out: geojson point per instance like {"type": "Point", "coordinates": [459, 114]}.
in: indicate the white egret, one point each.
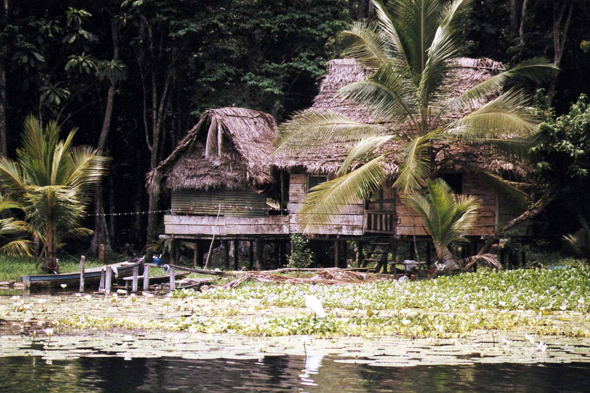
{"type": "Point", "coordinates": [314, 304]}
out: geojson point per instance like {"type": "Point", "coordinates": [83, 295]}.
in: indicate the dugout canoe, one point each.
{"type": "Point", "coordinates": [72, 280]}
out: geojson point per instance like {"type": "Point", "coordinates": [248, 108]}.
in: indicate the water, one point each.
{"type": "Point", "coordinates": [283, 373]}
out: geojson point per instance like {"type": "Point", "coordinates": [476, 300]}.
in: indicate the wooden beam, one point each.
{"type": "Point", "coordinates": [336, 253]}
{"type": "Point", "coordinates": [225, 246]}
{"type": "Point", "coordinates": [359, 253]}
{"type": "Point", "coordinates": [251, 254]}
{"type": "Point", "coordinates": [259, 254]}
{"type": "Point", "coordinates": [236, 255]}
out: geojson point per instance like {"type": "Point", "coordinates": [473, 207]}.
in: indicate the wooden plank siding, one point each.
{"type": "Point", "coordinates": [226, 226]}
{"type": "Point", "coordinates": [234, 203]}
{"type": "Point", "coordinates": [348, 223]}
{"type": "Point", "coordinates": [410, 223]}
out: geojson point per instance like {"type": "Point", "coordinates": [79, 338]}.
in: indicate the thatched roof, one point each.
{"type": "Point", "coordinates": [466, 74]}
{"type": "Point", "coordinates": [229, 148]}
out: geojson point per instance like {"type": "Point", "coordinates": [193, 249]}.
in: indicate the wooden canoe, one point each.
{"type": "Point", "coordinates": [72, 280]}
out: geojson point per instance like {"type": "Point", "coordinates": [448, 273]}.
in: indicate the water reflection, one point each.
{"type": "Point", "coordinates": [312, 366]}
{"type": "Point", "coordinates": [282, 373]}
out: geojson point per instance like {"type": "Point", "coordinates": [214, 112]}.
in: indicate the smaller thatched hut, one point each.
{"type": "Point", "coordinates": [221, 179]}
{"type": "Point", "coordinates": [223, 162]}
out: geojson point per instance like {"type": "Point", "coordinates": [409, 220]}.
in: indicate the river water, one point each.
{"type": "Point", "coordinates": [281, 373]}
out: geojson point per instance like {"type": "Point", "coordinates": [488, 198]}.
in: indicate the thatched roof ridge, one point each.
{"type": "Point", "coordinates": [465, 74]}
{"type": "Point", "coordinates": [229, 148]}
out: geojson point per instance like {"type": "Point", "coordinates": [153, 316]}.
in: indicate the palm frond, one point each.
{"type": "Point", "coordinates": [79, 233]}
{"type": "Point", "coordinates": [88, 167]}
{"type": "Point", "coordinates": [415, 168]}
{"type": "Point", "coordinates": [537, 69]}
{"type": "Point", "coordinates": [310, 129]}
{"type": "Point", "coordinates": [11, 176]}
{"type": "Point", "coordinates": [507, 114]}
{"type": "Point", "coordinates": [327, 199]}
{"type": "Point", "coordinates": [446, 215]}
{"type": "Point", "coordinates": [364, 43]}
{"type": "Point", "coordinates": [388, 93]}
{"type": "Point", "coordinates": [392, 41]}
{"type": "Point", "coordinates": [361, 149]}
{"type": "Point", "coordinates": [18, 248]}
{"type": "Point", "coordinates": [514, 191]}
{"type": "Point", "coordinates": [443, 48]}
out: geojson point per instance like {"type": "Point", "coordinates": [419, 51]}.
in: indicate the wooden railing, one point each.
{"type": "Point", "coordinates": [379, 221]}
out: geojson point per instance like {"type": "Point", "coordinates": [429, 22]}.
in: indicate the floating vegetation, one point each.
{"type": "Point", "coordinates": [540, 290]}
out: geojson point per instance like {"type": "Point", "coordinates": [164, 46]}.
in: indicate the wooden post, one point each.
{"type": "Point", "coordinates": [226, 253]}
{"type": "Point", "coordinates": [236, 254]}
{"type": "Point", "coordinates": [275, 253]}
{"type": "Point", "coordinates": [109, 280]}
{"type": "Point", "coordinates": [172, 279]}
{"type": "Point", "coordinates": [101, 254]}
{"type": "Point", "coordinates": [412, 252]}
{"type": "Point", "coordinates": [101, 285]}
{"type": "Point", "coordinates": [251, 255]}
{"type": "Point", "coordinates": [336, 252]}
{"type": "Point", "coordinates": [176, 252]}
{"type": "Point", "coordinates": [259, 254]}
{"type": "Point", "coordinates": [146, 278]}
{"type": "Point", "coordinates": [82, 263]}
{"type": "Point", "coordinates": [135, 279]}
{"type": "Point", "coordinates": [195, 254]}
{"type": "Point", "coordinates": [428, 256]}
{"type": "Point", "coordinates": [344, 254]}
{"type": "Point", "coordinates": [394, 255]}
{"type": "Point", "coordinates": [282, 254]}
{"type": "Point", "coordinates": [200, 254]}
{"type": "Point", "coordinates": [359, 256]}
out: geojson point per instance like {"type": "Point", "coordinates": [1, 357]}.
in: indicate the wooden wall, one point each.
{"type": "Point", "coordinates": [349, 223]}
{"type": "Point", "coordinates": [234, 203]}
{"type": "Point", "coordinates": [226, 226]}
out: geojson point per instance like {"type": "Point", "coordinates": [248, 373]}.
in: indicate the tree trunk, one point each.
{"type": "Point", "coordinates": [514, 6]}
{"type": "Point", "coordinates": [522, 19]}
{"type": "Point", "coordinates": [537, 208]}
{"type": "Point", "coordinates": [3, 134]}
{"type": "Point", "coordinates": [448, 260]}
{"type": "Point", "coordinates": [101, 233]}
{"type": "Point", "coordinates": [559, 38]}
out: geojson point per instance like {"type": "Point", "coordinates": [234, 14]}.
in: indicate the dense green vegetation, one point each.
{"type": "Point", "coordinates": [125, 72]}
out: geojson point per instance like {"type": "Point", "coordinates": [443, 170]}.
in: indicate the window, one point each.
{"type": "Point", "coordinates": [313, 181]}
{"type": "Point", "coordinates": [455, 181]}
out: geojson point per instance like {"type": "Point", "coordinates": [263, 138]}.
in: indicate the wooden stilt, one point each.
{"type": "Point", "coordinates": [282, 254]}
{"type": "Point", "coordinates": [176, 251]}
{"type": "Point", "coordinates": [82, 268]}
{"type": "Point", "coordinates": [359, 253]}
{"type": "Point", "coordinates": [135, 279]}
{"type": "Point", "coordinates": [275, 254]}
{"type": "Point", "coordinates": [394, 256]}
{"type": "Point", "coordinates": [146, 278]}
{"type": "Point", "coordinates": [428, 255]}
{"type": "Point", "coordinates": [226, 254]}
{"type": "Point", "coordinates": [259, 254]}
{"type": "Point", "coordinates": [172, 279]}
{"type": "Point", "coordinates": [344, 261]}
{"type": "Point", "coordinates": [108, 280]}
{"type": "Point", "coordinates": [102, 279]}
{"type": "Point", "coordinates": [336, 253]}
{"type": "Point", "coordinates": [236, 255]}
{"type": "Point", "coordinates": [251, 254]}
{"type": "Point", "coordinates": [412, 252]}
{"type": "Point", "coordinates": [195, 254]}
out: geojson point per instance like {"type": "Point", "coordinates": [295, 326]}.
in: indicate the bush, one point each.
{"type": "Point", "coordinates": [302, 256]}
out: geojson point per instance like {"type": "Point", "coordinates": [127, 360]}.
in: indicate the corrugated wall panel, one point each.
{"type": "Point", "coordinates": [234, 203]}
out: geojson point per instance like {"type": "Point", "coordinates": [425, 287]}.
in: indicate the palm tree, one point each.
{"type": "Point", "coordinates": [446, 216]}
{"type": "Point", "coordinates": [12, 232]}
{"type": "Point", "coordinates": [52, 181]}
{"type": "Point", "coordinates": [413, 48]}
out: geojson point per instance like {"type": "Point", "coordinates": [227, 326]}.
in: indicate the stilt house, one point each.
{"type": "Point", "coordinates": [226, 184]}
{"type": "Point", "coordinates": [222, 184]}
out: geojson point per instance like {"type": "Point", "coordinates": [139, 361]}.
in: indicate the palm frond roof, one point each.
{"type": "Point", "coordinates": [465, 74]}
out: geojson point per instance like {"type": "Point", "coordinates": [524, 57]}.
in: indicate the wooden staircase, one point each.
{"type": "Point", "coordinates": [378, 251]}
